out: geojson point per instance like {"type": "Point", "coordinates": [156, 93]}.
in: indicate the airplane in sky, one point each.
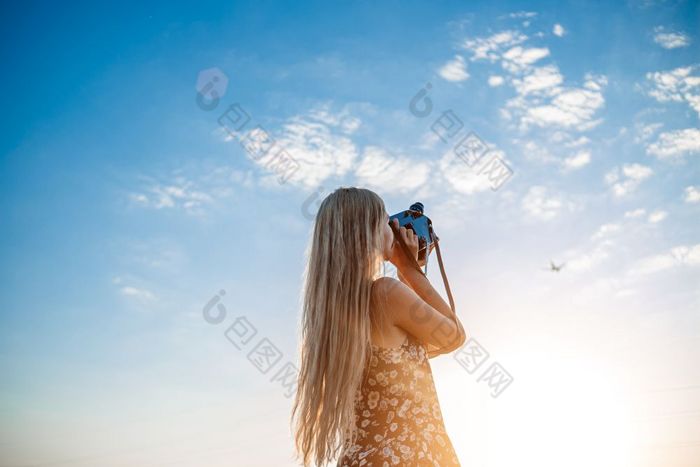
{"type": "Point", "coordinates": [554, 268]}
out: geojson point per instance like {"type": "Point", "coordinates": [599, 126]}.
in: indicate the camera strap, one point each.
{"type": "Point", "coordinates": [442, 272]}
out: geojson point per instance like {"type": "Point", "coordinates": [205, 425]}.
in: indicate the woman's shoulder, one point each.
{"type": "Point", "coordinates": [383, 308]}
{"type": "Point", "coordinates": [385, 283]}
{"type": "Point", "coordinates": [383, 291]}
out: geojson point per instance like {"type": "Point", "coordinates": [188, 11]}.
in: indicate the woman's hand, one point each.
{"type": "Point", "coordinates": [398, 257]}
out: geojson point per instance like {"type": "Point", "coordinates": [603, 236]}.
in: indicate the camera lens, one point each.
{"type": "Point", "coordinates": [417, 206]}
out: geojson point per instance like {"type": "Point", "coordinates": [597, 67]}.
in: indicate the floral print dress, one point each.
{"type": "Point", "coordinates": [397, 413]}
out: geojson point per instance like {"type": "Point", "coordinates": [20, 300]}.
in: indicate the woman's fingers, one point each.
{"type": "Point", "coordinates": [409, 236]}
{"type": "Point", "coordinates": [411, 240]}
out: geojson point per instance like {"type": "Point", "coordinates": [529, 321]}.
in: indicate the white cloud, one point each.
{"type": "Point", "coordinates": [137, 293]}
{"type": "Point", "coordinates": [541, 78]}
{"type": "Point", "coordinates": [180, 193]}
{"type": "Point", "coordinates": [692, 194]}
{"type": "Point", "coordinates": [644, 132]}
{"type": "Point", "coordinates": [606, 230]}
{"type": "Point", "coordinates": [454, 70]}
{"type": "Point", "coordinates": [543, 102]}
{"type": "Point", "coordinates": [607, 239]}
{"type": "Point", "coordinates": [603, 243]}
{"type": "Point", "coordinates": [563, 137]}
{"type": "Point", "coordinates": [677, 85]}
{"type": "Point", "coordinates": [635, 213]}
{"type": "Point", "coordinates": [625, 181]}
{"type": "Point", "coordinates": [670, 40]}
{"type": "Point", "coordinates": [539, 204]}
{"type": "Point", "coordinates": [652, 264]}
{"type": "Point", "coordinates": [463, 178]}
{"type": "Point", "coordinates": [537, 152]}
{"type": "Point", "coordinates": [657, 216]}
{"type": "Point", "coordinates": [193, 194]}
{"type": "Point", "coordinates": [636, 171]}
{"type": "Point", "coordinates": [586, 261]}
{"type": "Point", "coordinates": [542, 153]}
{"type": "Point", "coordinates": [542, 98]}
{"type": "Point", "coordinates": [676, 144]}
{"type": "Point", "coordinates": [495, 80]}
{"type": "Point", "coordinates": [675, 257]}
{"type": "Point", "coordinates": [519, 58]}
{"type": "Point", "coordinates": [318, 143]}
{"type": "Point", "coordinates": [428, 140]}
{"type": "Point", "coordinates": [396, 174]}
{"type": "Point", "coordinates": [571, 108]}
{"type": "Point", "coordinates": [545, 99]}
{"type": "Point", "coordinates": [343, 120]}
{"type": "Point", "coordinates": [578, 160]}
{"type": "Point", "coordinates": [490, 47]}
{"type": "Point", "coordinates": [522, 14]}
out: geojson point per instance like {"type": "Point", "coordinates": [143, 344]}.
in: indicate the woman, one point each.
{"type": "Point", "coordinates": [365, 392]}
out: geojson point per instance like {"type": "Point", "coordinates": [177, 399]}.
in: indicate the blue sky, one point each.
{"type": "Point", "coordinates": [126, 208]}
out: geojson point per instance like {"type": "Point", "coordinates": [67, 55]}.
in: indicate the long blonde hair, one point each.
{"type": "Point", "coordinates": [344, 258]}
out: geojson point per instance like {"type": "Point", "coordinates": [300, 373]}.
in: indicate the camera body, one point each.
{"type": "Point", "coordinates": [414, 219]}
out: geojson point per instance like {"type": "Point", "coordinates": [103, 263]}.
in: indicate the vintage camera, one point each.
{"type": "Point", "coordinates": [414, 219]}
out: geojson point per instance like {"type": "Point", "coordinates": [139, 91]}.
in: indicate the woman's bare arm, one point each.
{"type": "Point", "coordinates": [450, 339]}
{"type": "Point", "coordinates": [417, 308]}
